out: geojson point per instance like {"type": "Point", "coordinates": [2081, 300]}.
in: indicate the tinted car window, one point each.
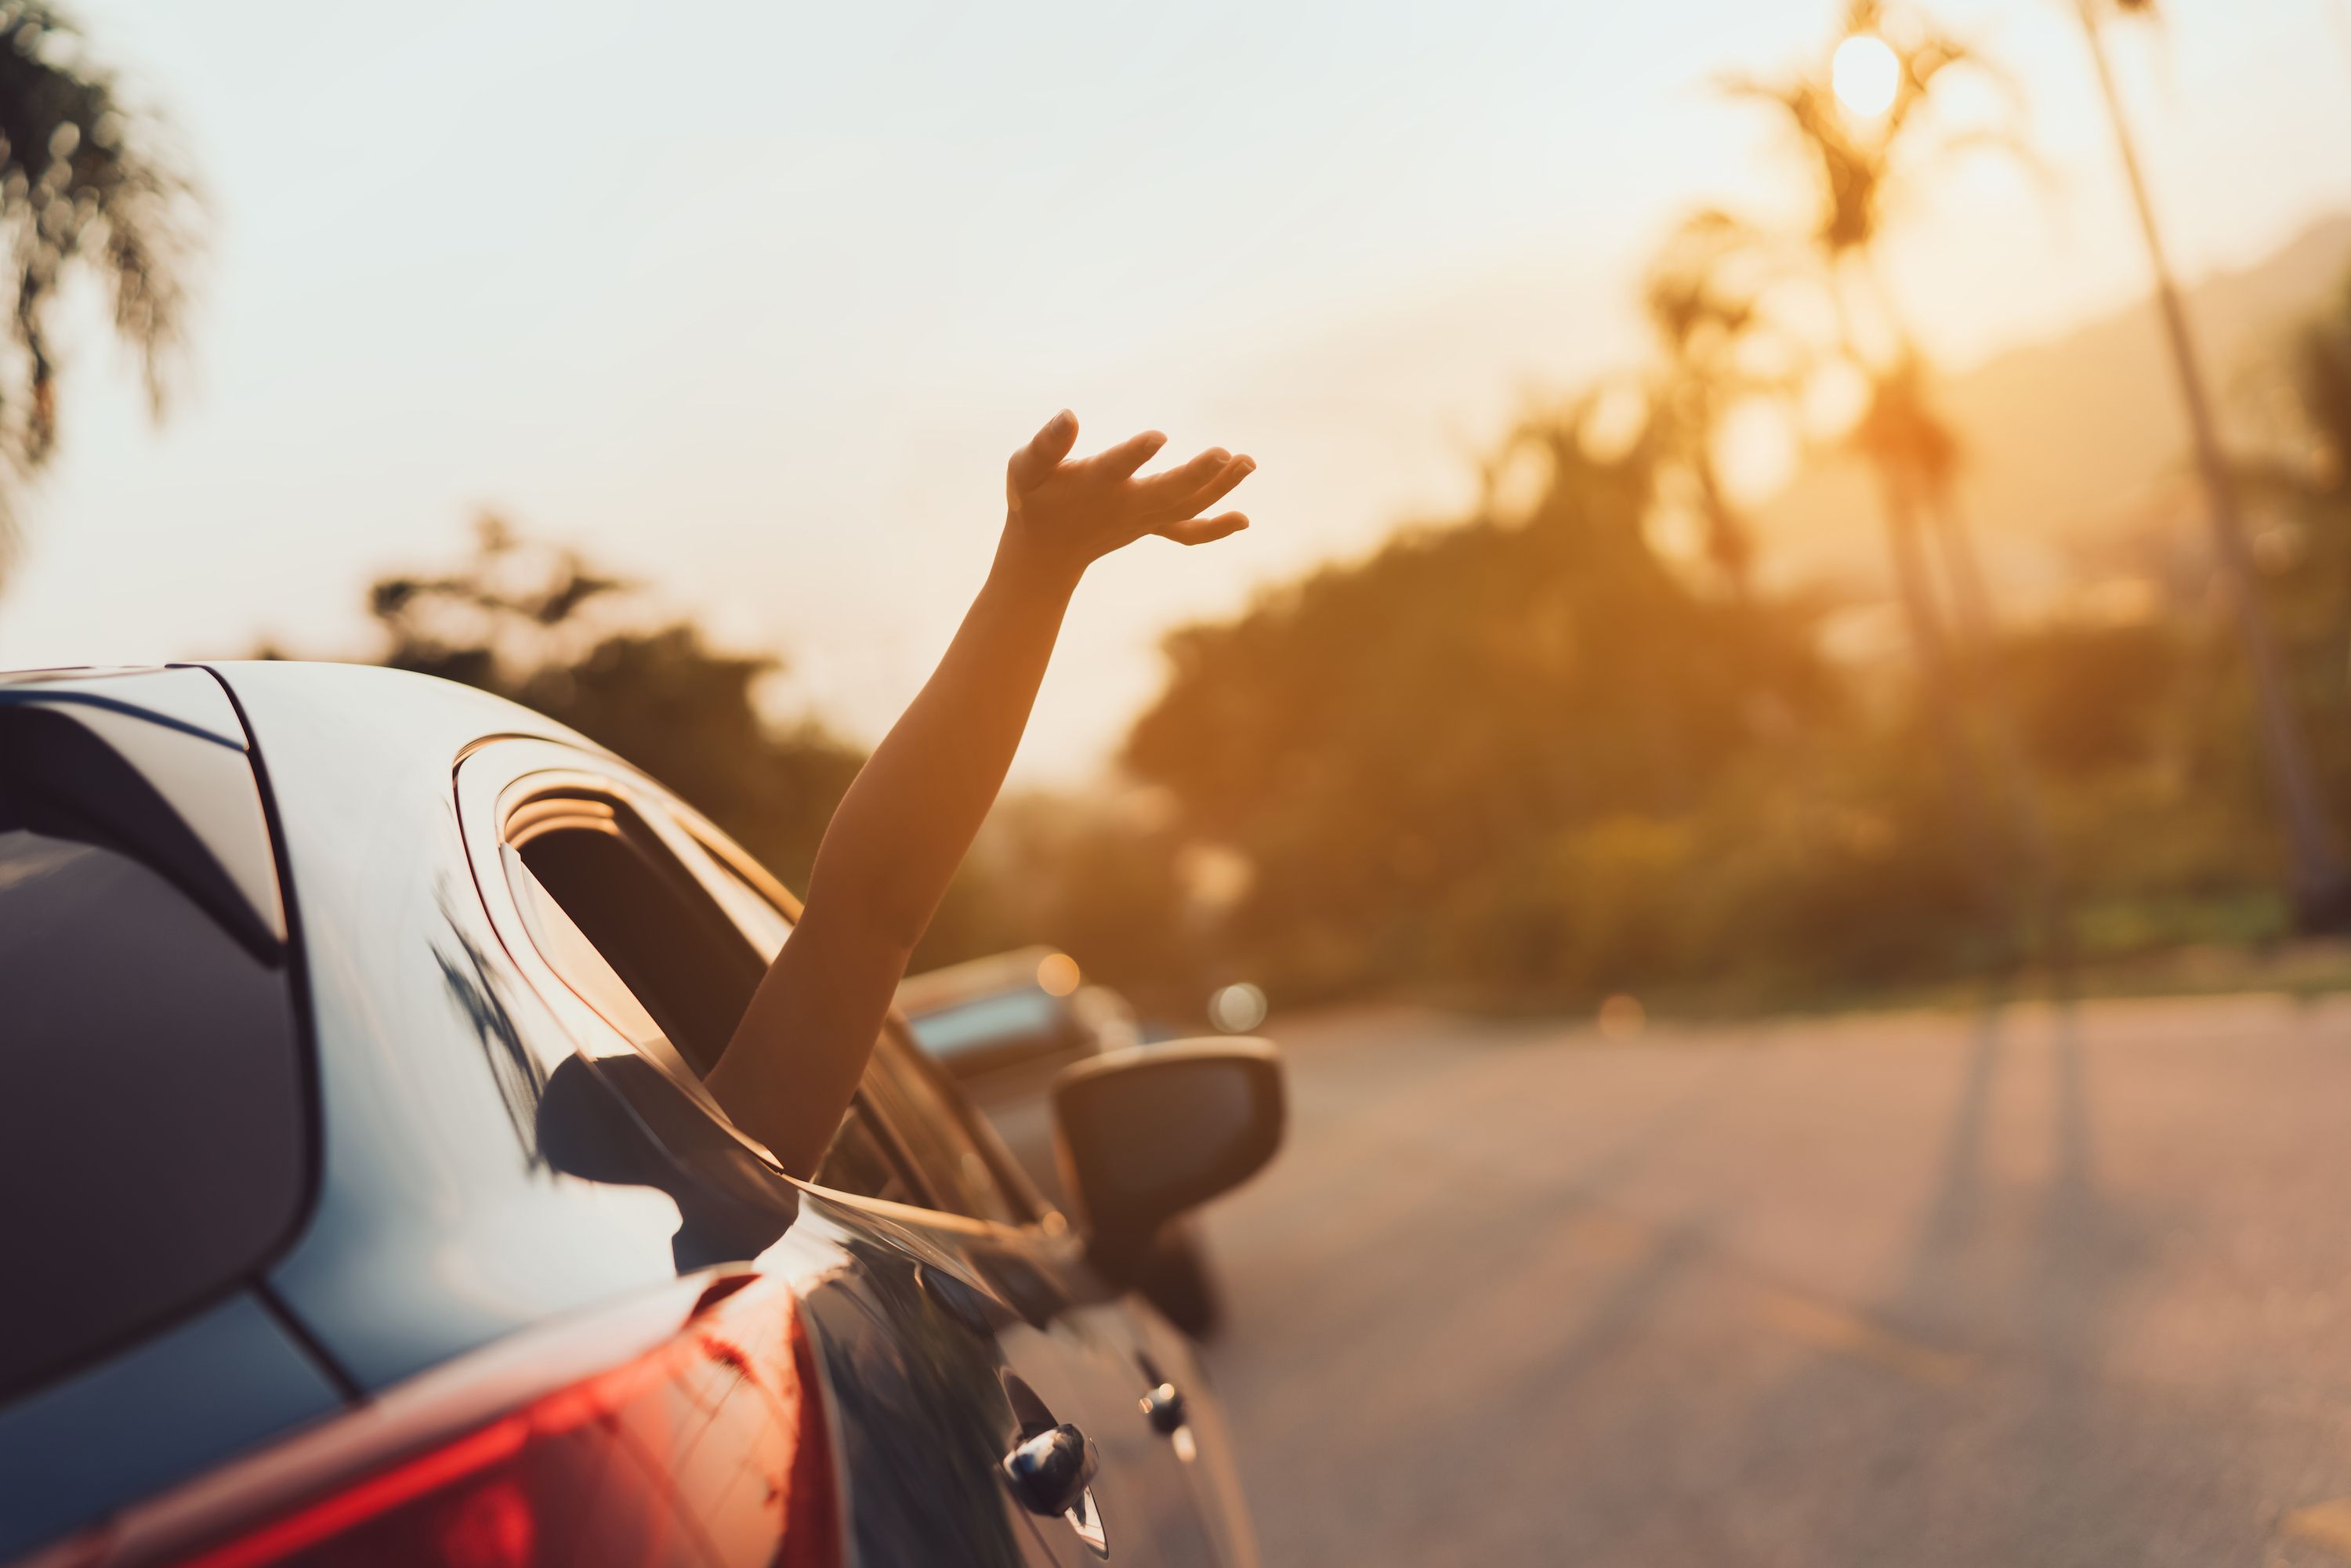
{"type": "Point", "coordinates": [928, 1126]}
{"type": "Point", "coordinates": [860, 1163]}
{"type": "Point", "coordinates": [679, 956]}
{"type": "Point", "coordinates": [153, 1125]}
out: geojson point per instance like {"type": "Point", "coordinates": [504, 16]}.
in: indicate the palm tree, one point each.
{"type": "Point", "coordinates": [1865, 165]}
{"type": "Point", "coordinates": [1703, 294]}
{"type": "Point", "coordinates": [83, 192]}
{"type": "Point", "coordinates": [2320, 880]}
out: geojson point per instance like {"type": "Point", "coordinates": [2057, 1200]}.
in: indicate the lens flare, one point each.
{"type": "Point", "coordinates": [1057, 973]}
{"type": "Point", "coordinates": [1237, 1009]}
{"type": "Point", "coordinates": [1867, 74]}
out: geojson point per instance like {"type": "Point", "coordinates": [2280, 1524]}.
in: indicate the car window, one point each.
{"type": "Point", "coordinates": [860, 1163]}
{"type": "Point", "coordinates": [155, 1130]}
{"type": "Point", "coordinates": [930, 1127]}
{"type": "Point", "coordinates": [659, 946]}
{"type": "Point", "coordinates": [898, 1091]}
{"type": "Point", "coordinates": [680, 960]}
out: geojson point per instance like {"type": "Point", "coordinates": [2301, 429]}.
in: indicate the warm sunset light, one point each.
{"type": "Point", "coordinates": [1057, 974]}
{"type": "Point", "coordinates": [1867, 75]}
{"type": "Point", "coordinates": [1577, 791]}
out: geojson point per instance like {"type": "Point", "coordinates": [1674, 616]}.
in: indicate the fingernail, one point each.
{"type": "Point", "coordinates": [1064, 417]}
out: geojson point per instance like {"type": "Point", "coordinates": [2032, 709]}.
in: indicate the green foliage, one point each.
{"type": "Point", "coordinates": [1527, 760]}
{"type": "Point", "coordinates": [539, 626]}
{"type": "Point", "coordinates": [2090, 698]}
{"type": "Point", "coordinates": [84, 189]}
{"type": "Point", "coordinates": [536, 625]}
{"type": "Point", "coordinates": [1489, 755]}
{"type": "Point", "coordinates": [1539, 763]}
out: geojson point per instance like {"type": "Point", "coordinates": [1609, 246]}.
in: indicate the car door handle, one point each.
{"type": "Point", "coordinates": [1048, 1472]}
{"type": "Point", "coordinates": [1163, 1408]}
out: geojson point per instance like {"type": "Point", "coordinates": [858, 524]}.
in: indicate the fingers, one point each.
{"type": "Point", "coordinates": [1161, 491]}
{"type": "Point", "coordinates": [1034, 463]}
{"type": "Point", "coordinates": [1203, 530]}
{"type": "Point", "coordinates": [1219, 485]}
{"type": "Point", "coordinates": [1120, 461]}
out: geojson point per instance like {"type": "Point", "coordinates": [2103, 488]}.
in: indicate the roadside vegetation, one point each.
{"type": "Point", "coordinates": [1527, 757]}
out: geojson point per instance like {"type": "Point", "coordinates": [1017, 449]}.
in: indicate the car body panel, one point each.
{"type": "Point", "coordinates": [182, 695]}
{"type": "Point", "coordinates": [440, 1228]}
{"type": "Point", "coordinates": [436, 1229]}
{"type": "Point", "coordinates": [206, 1389]}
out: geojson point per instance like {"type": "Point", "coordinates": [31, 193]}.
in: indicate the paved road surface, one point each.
{"type": "Point", "coordinates": [1909, 1289]}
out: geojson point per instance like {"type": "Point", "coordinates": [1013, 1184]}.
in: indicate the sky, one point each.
{"type": "Point", "coordinates": [750, 301]}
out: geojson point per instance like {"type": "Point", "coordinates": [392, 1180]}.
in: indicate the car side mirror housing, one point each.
{"type": "Point", "coordinates": [1144, 1134]}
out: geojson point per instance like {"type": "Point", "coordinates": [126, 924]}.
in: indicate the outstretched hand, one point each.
{"type": "Point", "coordinates": [1073, 513]}
{"type": "Point", "coordinates": [793, 1065]}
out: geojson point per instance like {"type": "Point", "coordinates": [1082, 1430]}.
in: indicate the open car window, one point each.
{"type": "Point", "coordinates": [600, 874]}
{"type": "Point", "coordinates": [665, 939]}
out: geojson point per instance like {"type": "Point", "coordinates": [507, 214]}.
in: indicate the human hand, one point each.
{"type": "Point", "coordinates": [1071, 514]}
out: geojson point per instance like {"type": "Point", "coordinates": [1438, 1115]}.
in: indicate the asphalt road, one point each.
{"type": "Point", "coordinates": [2035, 1287]}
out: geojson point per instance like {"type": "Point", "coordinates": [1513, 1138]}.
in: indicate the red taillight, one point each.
{"type": "Point", "coordinates": [708, 1450]}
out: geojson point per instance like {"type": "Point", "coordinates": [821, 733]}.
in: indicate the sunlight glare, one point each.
{"type": "Point", "coordinates": [1057, 974]}
{"type": "Point", "coordinates": [1867, 74]}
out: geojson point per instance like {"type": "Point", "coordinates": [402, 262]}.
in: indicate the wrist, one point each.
{"type": "Point", "coordinates": [1030, 565]}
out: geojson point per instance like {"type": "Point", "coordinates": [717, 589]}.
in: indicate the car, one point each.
{"type": "Point", "coordinates": [1005, 1028]}
{"type": "Point", "coordinates": [367, 1206]}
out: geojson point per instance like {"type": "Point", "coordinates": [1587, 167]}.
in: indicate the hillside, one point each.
{"type": "Point", "coordinates": [2076, 447]}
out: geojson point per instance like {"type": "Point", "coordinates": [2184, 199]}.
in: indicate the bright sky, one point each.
{"type": "Point", "coordinates": [751, 300]}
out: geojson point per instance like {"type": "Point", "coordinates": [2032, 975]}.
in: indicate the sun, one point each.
{"type": "Point", "coordinates": [1867, 74]}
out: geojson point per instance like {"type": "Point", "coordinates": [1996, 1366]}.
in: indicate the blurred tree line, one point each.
{"type": "Point", "coordinates": [1528, 756]}
{"type": "Point", "coordinates": [91, 193]}
{"type": "Point", "coordinates": [537, 624]}
{"type": "Point", "coordinates": [1531, 757]}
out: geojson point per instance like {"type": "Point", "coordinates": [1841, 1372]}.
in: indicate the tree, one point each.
{"type": "Point", "coordinates": [1477, 757]}
{"type": "Point", "coordinates": [1702, 294]}
{"type": "Point", "coordinates": [86, 188]}
{"type": "Point", "coordinates": [538, 625]}
{"type": "Point", "coordinates": [1863, 164]}
{"type": "Point", "coordinates": [1865, 158]}
{"type": "Point", "coordinates": [2319, 878]}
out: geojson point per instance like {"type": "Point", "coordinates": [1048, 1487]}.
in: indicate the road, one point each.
{"type": "Point", "coordinates": [2038, 1287]}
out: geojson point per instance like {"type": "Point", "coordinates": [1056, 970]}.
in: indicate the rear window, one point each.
{"type": "Point", "coordinates": [153, 1126]}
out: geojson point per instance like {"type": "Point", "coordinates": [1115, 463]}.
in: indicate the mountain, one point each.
{"type": "Point", "coordinates": [2076, 449]}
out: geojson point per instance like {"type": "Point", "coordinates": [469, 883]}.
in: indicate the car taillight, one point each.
{"type": "Point", "coordinates": [708, 1450]}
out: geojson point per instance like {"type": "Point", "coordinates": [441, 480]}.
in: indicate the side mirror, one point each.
{"type": "Point", "coordinates": [1144, 1134]}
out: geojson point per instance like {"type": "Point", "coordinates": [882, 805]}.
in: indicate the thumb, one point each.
{"type": "Point", "coordinates": [1034, 463]}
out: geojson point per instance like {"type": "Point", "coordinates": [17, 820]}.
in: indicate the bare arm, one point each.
{"type": "Point", "coordinates": [788, 1074]}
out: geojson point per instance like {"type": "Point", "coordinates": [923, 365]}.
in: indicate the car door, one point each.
{"type": "Point", "coordinates": [1178, 1483]}
{"type": "Point", "coordinates": [954, 1333]}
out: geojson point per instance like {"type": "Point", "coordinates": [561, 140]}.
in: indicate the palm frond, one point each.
{"type": "Point", "coordinates": [86, 188]}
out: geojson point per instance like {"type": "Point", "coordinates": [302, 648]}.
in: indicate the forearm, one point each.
{"type": "Point", "coordinates": [898, 835]}
{"type": "Point", "coordinates": [892, 848]}
{"type": "Point", "coordinates": [911, 815]}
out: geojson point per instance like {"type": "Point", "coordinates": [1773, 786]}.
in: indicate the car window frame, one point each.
{"type": "Point", "coordinates": [499, 776]}
{"type": "Point", "coordinates": [728, 863]}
